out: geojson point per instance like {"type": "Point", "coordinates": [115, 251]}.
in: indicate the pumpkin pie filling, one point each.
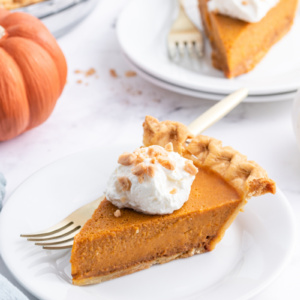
{"type": "Point", "coordinates": [123, 242]}
{"type": "Point", "coordinates": [238, 46]}
{"type": "Point", "coordinates": [112, 245]}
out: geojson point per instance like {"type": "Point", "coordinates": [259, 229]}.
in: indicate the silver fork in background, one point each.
{"type": "Point", "coordinates": [184, 37]}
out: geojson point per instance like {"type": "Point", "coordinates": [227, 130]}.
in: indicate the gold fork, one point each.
{"type": "Point", "coordinates": [61, 235]}
{"type": "Point", "coordinates": [184, 37]}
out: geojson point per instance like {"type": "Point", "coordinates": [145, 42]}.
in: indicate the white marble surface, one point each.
{"type": "Point", "coordinates": [105, 110]}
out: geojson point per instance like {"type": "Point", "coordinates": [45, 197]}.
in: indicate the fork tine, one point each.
{"type": "Point", "coordinates": [181, 48]}
{"type": "Point", "coordinates": [190, 49]}
{"type": "Point", "coordinates": [198, 48]}
{"type": "Point", "coordinates": [172, 50]}
{"type": "Point", "coordinates": [54, 229]}
{"type": "Point", "coordinates": [61, 235]}
{"type": "Point", "coordinates": [183, 33]}
{"type": "Point", "coordinates": [55, 236]}
{"type": "Point", "coordinates": [56, 243]}
{"type": "Point", "coordinates": [60, 246]}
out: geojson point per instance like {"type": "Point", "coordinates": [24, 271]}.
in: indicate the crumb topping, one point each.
{"type": "Point", "coordinates": [190, 168]}
{"type": "Point", "coordinates": [126, 159]}
{"type": "Point", "coordinates": [144, 162]}
{"type": "Point", "coordinates": [153, 160]}
{"type": "Point", "coordinates": [139, 169]}
{"type": "Point", "coordinates": [155, 151]}
{"type": "Point", "coordinates": [169, 147]}
{"type": "Point", "coordinates": [139, 158]}
{"type": "Point", "coordinates": [117, 213]}
{"type": "Point", "coordinates": [167, 163]}
{"type": "Point", "coordinates": [151, 170]}
{"type": "Point", "coordinates": [125, 183]}
{"type": "Point", "coordinates": [174, 191]}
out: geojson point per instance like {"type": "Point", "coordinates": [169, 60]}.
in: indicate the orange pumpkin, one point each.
{"type": "Point", "coordinates": [33, 73]}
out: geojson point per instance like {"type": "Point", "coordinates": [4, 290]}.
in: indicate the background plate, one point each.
{"type": "Point", "coordinates": [145, 45]}
{"type": "Point", "coordinates": [253, 252]}
{"type": "Point", "coordinates": [207, 95]}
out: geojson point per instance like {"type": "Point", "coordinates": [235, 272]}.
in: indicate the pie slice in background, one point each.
{"type": "Point", "coordinates": [238, 46]}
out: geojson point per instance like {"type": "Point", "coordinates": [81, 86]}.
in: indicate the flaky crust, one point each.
{"type": "Point", "coordinates": [246, 176]}
{"type": "Point", "coordinates": [162, 133]}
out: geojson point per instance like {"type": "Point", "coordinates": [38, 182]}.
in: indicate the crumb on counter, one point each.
{"type": "Point", "coordinates": [130, 74]}
{"type": "Point", "coordinates": [90, 72]}
{"type": "Point", "coordinates": [113, 73]}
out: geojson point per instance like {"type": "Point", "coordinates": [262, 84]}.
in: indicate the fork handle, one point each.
{"type": "Point", "coordinates": [182, 20]}
{"type": "Point", "coordinates": [218, 111]}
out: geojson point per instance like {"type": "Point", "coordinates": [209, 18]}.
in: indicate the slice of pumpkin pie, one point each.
{"type": "Point", "coordinates": [162, 205]}
{"type": "Point", "coordinates": [242, 32]}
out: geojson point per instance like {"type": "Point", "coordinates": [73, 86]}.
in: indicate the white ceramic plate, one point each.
{"type": "Point", "coordinates": [253, 252]}
{"type": "Point", "coordinates": [142, 30]}
{"type": "Point", "coordinates": [206, 95]}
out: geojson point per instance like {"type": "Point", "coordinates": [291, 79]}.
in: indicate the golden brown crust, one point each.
{"type": "Point", "coordinates": [162, 133]}
{"type": "Point", "coordinates": [245, 176]}
{"type": "Point", "coordinates": [138, 267]}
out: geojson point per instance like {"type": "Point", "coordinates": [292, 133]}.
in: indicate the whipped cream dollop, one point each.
{"type": "Point", "coordinates": [247, 10]}
{"type": "Point", "coordinates": [151, 180]}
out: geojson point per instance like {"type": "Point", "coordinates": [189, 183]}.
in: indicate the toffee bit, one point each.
{"type": "Point", "coordinates": [151, 171]}
{"type": "Point", "coordinates": [169, 147]}
{"type": "Point", "coordinates": [117, 213]}
{"type": "Point", "coordinates": [190, 168]}
{"type": "Point", "coordinates": [174, 191]}
{"type": "Point", "coordinates": [126, 159]}
{"type": "Point", "coordinates": [139, 169]}
{"type": "Point", "coordinates": [166, 163]}
{"type": "Point", "coordinates": [125, 183]}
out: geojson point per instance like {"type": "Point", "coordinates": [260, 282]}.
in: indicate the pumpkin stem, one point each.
{"type": "Point", "coordinates": [2, 32]}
